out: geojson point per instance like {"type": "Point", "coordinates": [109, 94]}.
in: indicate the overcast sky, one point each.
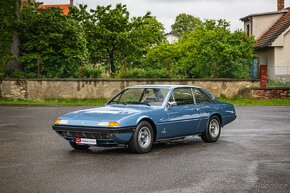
{"type": "Point", "coordinates": [167, 10]}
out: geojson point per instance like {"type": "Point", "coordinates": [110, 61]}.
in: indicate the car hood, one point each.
{"type": "Point", "coordinates": [91, 117]}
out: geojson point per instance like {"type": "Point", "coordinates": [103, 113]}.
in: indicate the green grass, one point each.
{"type": "Point", "coordinates": [278, 84]}
{"type": "Point", "coordinates": [237, 101]}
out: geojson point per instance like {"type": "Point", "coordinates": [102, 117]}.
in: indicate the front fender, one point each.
{"type": "Point", "coordinates": [155, 116]}
{"type": "Point", "coordinates": [145, 117]}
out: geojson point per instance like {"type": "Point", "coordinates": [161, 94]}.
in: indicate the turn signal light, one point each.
{"type": "Point", "coordinates": [114, 124]}
{"type": "Point", "coordinates": [60, 121]}
{"type": "Point", "coordinates": [57, 121]}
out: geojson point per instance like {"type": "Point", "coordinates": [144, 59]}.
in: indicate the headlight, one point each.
{"type": "Point", "coordinates": [60, 121]}
{"type": "Point", "coordinates": [109, 124]}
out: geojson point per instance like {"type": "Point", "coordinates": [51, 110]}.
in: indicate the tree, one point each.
{"type": "Point", "coordinates": [113, 36]}
{"type": "Point", "coordinates": [184, 23]}
{"type": "Point", "coordinates": [211, 50]}
{"type": "Point", "coordinates": [146, 32]}
{"type": "Point", "coordinates": [52, 40]}
{"type": "Point", "coordinates": [8, 21]}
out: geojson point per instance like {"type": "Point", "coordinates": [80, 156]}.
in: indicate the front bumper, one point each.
{"type": "Point", "coordinates": [104, 136]}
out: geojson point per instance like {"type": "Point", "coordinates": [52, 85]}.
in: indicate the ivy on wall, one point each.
{"type": "Point", "coordinates": [7, 28]}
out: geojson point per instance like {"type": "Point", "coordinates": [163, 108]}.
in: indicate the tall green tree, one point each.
{"type": "Point", "coordinates": [146, 32]}
{"type": "Point", "coordinates": [53, 40]}
{"type": "Point", "coordinates": [113, 36]}
{"type": "Point", "coordinates": [211, 50]}
{"type": "Point", "coordinates": [184, 23]}
{"type": "Point", "coordinates": [8, 15]}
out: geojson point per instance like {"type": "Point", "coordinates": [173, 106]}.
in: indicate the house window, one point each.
{"type": "Point", "coordinates": [248, 30]}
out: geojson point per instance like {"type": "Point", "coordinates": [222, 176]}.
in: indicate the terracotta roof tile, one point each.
{"type": "Point", "coordinates": [63, 7]}
{"type": "Point", "coordinates": [274, 32]}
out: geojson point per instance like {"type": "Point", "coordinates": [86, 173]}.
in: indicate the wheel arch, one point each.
{"type": "Point", "coordinates": [152, 124]}
{"type": "Point", "coordinates": [219, 116]}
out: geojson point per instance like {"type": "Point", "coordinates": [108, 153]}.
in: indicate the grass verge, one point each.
{"type": "Point", "coordinates": [237, 101]}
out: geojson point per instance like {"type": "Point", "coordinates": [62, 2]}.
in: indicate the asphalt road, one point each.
{"type": "Point", "coordinates": [252, 155]}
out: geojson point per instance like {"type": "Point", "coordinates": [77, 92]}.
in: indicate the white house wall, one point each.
{"type": "Point", "coordinates": [262, 23]}
{"type": "Point", "coordinates": [266, 57]}
{"type": "Point", "coordinates": [249, 22]}
{"type": "Point", "coordinates": [282, 54]}
{"type": "Point", "coordinates": [280, 41]}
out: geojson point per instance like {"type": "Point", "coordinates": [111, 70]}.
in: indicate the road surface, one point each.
{"type": "Point", "coordinates": [252, 155]}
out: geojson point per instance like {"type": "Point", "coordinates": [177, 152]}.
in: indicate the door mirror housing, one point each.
{"type": "Point", "coordinates": [171, 104]}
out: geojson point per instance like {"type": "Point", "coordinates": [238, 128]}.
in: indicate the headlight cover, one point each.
{"type": "Point", "coordinates": [109, 124]}
{"type": "Point", "coordinates": [61, 121]}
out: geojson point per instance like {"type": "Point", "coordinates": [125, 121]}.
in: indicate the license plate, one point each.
{"type": "Point", "coordinates": [86, 141]}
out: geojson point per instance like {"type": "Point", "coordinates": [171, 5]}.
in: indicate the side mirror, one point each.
{"type": "Point", "coordinates": [171, 104]}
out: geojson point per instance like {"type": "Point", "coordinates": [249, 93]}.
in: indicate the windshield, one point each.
{"type": "Point", "coordinates": [140, 96]}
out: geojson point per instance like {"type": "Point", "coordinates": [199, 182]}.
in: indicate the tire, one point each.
{"type": "Point", "coordinates": [212, 131]}
{"type": "Point", "coordinates": [142, 139]}
{"type": "Point", "coordinates": [76, 146]}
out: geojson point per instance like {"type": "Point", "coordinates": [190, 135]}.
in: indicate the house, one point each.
{"type": "Point", "coordinates": [271, 31]}
{"type": "Point", "coordinates": [63, 7]}
{"type": "Point", "coordinates": [171, 37]}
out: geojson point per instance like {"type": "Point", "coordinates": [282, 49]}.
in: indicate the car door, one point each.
{"type": "Point", "coordinates": [205, 107]}
{"type": "Point", "coordinates": [183, 118]}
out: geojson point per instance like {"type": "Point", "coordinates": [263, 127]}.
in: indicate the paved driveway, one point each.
{"type": "Point", "coordinates": [252, 155]}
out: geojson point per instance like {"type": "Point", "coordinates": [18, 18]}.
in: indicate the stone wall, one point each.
{"type": "Point", "coordinates": [274, 92]}
{"type": "Point", "coordinates": [106, 88]}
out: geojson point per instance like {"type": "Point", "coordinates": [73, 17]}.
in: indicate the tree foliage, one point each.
{"type": "Point", "coordinates": [211, 50]}
{"type": "Point", "coordinates": [184, 23]}
{"type": "Point", "coordinates": [7, 28]}
{"type": "Point", "coordinates": [53, 40]}
{"type": "Point", "coordinates": [87, 43]}
{"type": "Point", "coordinates": [113, 36]}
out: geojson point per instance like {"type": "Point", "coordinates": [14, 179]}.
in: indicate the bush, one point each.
{"type": "Point", "coordinates": [278, 83]}
{"type": "Point", "coordinates": [90, 71]}
{"type": "Point", "coordinates": [21, 74]}
{"type": "Point", "coordinates": [54, 41]}
{"type": "Point", "coordinates": [1, 75]}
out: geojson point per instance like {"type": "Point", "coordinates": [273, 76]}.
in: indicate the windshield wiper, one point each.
{"type": "Point", "coordinates": [139, 103]}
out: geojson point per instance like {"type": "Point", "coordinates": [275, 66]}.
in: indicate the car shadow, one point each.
{"type": "Point", "coordinates": [166, 147]}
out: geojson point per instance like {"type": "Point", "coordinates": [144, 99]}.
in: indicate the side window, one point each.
{"type": "Point", "coordinates": [182, 96]}
{"type": "Point", "coordinates": [153, 96]}
{"type": "Point", "coordinates": [200, 97]}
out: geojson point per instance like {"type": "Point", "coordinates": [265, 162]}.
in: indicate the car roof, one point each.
{"type": "Point", "coordinates": [162, 86]}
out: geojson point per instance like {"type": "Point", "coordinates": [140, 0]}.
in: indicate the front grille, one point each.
{"type": "Point", "coordinates": [74, 134]}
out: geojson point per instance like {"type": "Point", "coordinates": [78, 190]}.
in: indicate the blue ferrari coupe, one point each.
{"type": "Point", "coordinates": [140, 115]}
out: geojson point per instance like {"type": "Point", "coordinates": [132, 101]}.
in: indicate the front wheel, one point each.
{"type": "Point", "coordinates": [76, 146]}
{"type": "Point", "coordinates": [142, 139]}
{"type": "Point", "coordinates": [213, 130]}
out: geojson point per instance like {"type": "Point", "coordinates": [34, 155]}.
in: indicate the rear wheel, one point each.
{"type": "Point", "coordinates": [142, 139]}
{"type": "Point", "coordinates": [76, 146]}
{"type": "Point", "coordinates": [213, 130]}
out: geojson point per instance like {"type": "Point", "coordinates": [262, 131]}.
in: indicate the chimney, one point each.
{"type": "Point", "coordinates": [280, 5]}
